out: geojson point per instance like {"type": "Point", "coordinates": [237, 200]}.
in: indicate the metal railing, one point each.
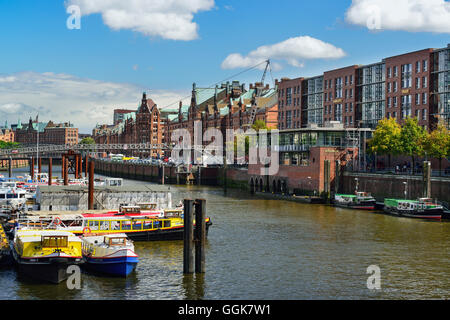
{"type": "Point", "coordinates": [81, 147]}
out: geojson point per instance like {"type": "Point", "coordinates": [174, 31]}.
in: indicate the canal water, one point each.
{"type": "Point", "coordinates": [272, 249]}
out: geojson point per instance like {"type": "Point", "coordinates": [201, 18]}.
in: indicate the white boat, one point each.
{"type": "Point", "coordinates": [109, 254]}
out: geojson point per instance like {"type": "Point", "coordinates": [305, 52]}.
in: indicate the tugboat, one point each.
{"type": "Point", "coordinates": [46, 254]}
{"type": "Point", "coordinates": [360, 201]}
{"type": "Point", "coordinates": [109, 254]}
{"type": "Point", "coordinates": [423, 208]}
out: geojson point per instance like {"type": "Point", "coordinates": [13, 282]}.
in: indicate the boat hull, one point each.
{"type": "Point", "coordinates": [172, 234]}
{"type": "Point", "coordinates": [120, 267]}
{"type": "Point", "coordinates": [369, 205]}
{"type": "Point", "coordinates": [432, 214]}
{"type": "Point", "coordinates": [53, 271]}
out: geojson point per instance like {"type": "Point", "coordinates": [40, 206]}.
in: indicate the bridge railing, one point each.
{"type": "Point", "coordinates": [81, 147]}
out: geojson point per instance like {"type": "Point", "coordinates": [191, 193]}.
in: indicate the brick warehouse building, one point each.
{"type": "Point", "coordinates": [49, 133]}
{"type": "Point", "coordinates": [145, 125]}
{"type": "Point", "coordinates": [229, 106]}
{"type": "Point", "coordinates": [415, 84]}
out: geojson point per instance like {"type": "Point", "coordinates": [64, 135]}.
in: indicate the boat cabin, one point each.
{"type": "Point", "coordinates": [147, 206]}
{"type": "Point", "coordinates": [118, 240]}
{"type": "Point", "coordinates": [54, 241]}
{"type": "Point", "coordinates": [129, 210]}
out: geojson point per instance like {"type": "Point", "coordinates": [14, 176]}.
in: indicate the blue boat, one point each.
{"type": "Point", "coordinates": [109, 254]}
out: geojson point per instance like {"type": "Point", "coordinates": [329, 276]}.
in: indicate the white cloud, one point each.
{"type": "Point", "coordinates": [63, 97]}
{"type": "Point", "coordinates": [404, 15]}
{"type": "Point", "coordinates": [292, 51]}
{"type": "Point", "coordinates": [168, 19]}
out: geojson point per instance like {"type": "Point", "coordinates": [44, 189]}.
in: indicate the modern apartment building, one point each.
{"type": "Point", "coordinates": [414, 84]}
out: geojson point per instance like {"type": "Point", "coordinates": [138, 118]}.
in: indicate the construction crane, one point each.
{"type": "Point", "coordinates": [258, 94]}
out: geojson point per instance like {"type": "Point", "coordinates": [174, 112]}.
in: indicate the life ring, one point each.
{"type": "Point", "coordinates": [87, 228]}
{"type": "Point", "coordinates": [57, 221]}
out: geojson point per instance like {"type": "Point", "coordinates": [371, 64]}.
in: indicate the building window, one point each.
{"type": "Point", "coordinates": [424, 82]}
{"type": "Point", "coordinates": [424, 98]}
{"type": "Point", "coordinates": [418, 83]}
{"type": "Point", "coordinates": [389, 72]}
{"type": "Point", "coordinates": [406, 75]}
{"type": "Point", "coordinates": [418, 67]}
{"type": "Point", "coordinates": [417, 99]}
{"type": "Point", "coordinates": [394, 102]}
{"type": "Point", "coordinates": [424, 114]}
{"type": "Point", "coordinates": [395, 86]}
{"type": "Point", "coordinates": [395, 71]}
{"type": "Point", "coordinates": [425, 65]}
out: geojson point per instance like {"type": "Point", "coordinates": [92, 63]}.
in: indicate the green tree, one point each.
{"type": "Point", "coordinates": [9, 145]}
{"type": "Point", "coordinates": [438, 143]}
{"type": "Point", "coordinates": [385, 140]}
{"type": "Point", "coordinates": [259, 125]}
{"type": "Point", "coordinates": [412, 140]}
{"type": "Point", "coordinates": [87, 140]}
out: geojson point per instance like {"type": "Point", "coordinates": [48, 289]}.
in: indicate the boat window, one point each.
{"type": "Point", "coordinates": [166, 223]}
{"type": "Point", "coordinates": [148, 225]}
{"type": "Point", "coordinates": [54, 241]}
{"type": "Point", "coordinates": [137, 225]}
{"type": "Point", "coordinates": [93, 225]}
{"type": "Point", "coordinates": [104, 225]}
{"type": "Point", "coordinates": [157, 224]}
{"type": "Point", "coordinates": [2, 196]}
{"type": "Point", "coordinates": [22, 196]}
{"type": "Point", "coordinates": [126, 225]}
{"type": "Point", "coordinates": [117, 241]}
{"type": "Point", "coordinates": [115, 225]}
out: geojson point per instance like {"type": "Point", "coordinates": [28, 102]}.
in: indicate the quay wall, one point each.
{"type": "Point", "coordinates": [211, 176]}
{"type": "Point", "coordinates": [383, 186]}
{"type": "Point", "coordinates": [4, 164]}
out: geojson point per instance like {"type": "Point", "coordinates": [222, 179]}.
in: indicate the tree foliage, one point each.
{"type": "Point", "coordinates": [386, 138]}
{"type": "Point", "coordinates": [9, 145]}
{"type": "Point", "coordinates": [87, 140]}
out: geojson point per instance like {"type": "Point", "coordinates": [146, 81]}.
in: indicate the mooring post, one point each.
{"type": "Point", "coordinates": [10, 164]}
{"type": "Point", "coordinates": [337, 176]}
{"type": "Point", "coordinates": [32, 168]}
{"type": "Point", "coordinates": [200, 235]}
{"type": "Point", "coordinates": [50, 171]}
{"type": "Point", "coordinates": [427, 179]}
{"type": "Point", "coordinates": [66, 171]}
{"type": "Point", "coordinates": [40, 165]}
{"type": "Point", "coordinates": [91, 186]}
{"type": "Point", "coordinates": [199, 178]}
{"type": "Point", "coordinates": [188, 253]}
{"type": "Point", "coordinates": [63, 159]}
{"type": "Point", "coordinates": [86, 163]}
{"type": "Point", "coordinates": [77, 168]}
{"type": "Point", "coordinates": [327, 188]}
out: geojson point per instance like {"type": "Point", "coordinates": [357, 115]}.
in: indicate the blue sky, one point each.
{"type": "Point", "coordinates": [38, 48]}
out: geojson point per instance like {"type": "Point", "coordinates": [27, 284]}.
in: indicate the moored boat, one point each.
{"type": "Point", "coordinates": [422, 209]}
{"type": "Point", "coordinates": [46, 254]}
{"type": "Point", "coordinates": [4, 247]}
{"type": "Point", "coordinates": [111, 254]}
{"type": "Point", "coordinates": [359, 200]}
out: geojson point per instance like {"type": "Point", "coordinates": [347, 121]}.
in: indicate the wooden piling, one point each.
{"type": "Point", "coordinates": [50, 169]}
{"type": "Point", "coordinates": [10, 167]}
{"type": "Point", "coordinates": [40, 165]}
{"type": "Point", "coordinates": [86, 163]}
{"type": "Point", "coordinates": [66, 171]}
{"type": "Point", "coordinates": [200, 235]}
{"type": "Point", "coordinates": [77, 168]}
{"type": "Point", "coordinates": [337, 176]}
{"type": "Point", "coordinates": [427, 179]}
{"type": "Point", "coordinates": [32, 168]}
{"type": "Point", "coordinates": [188, 253]}
{"type": "Point", "coordinates": [91, 186]}
{"type": "Point", "coordinates": [327, 186]}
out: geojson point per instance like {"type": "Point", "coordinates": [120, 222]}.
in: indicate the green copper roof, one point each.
{"type": "Point", "coordinates": [204, 94]}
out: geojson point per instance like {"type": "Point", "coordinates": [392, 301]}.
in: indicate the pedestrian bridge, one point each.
{"type": "Point", "coordinates": [43, 149]}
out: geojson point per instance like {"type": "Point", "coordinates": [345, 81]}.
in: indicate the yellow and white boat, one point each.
{"type": "Point", "coordinates": [46, 254]}
{"type": "Point", "coordinates": [4, 246]}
